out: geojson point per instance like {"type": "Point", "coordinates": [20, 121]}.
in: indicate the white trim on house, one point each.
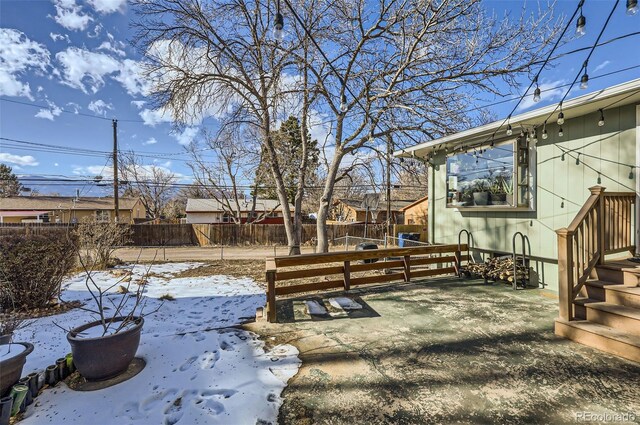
{"type": "Point", "coordinates": [637, 224]}
{"type": "Point", "coordinates": [622, 94]}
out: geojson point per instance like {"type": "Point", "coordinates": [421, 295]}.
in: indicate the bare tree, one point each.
{"type": "Point", "coordinates": [153, 184]}
{"type": "Point", "coordinates": [408, 68]}
{"type": "Point", "coordinates": [217, 58]}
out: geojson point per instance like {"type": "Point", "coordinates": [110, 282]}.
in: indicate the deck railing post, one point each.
{"type": "Point", "coordinates": [565, 273]}
{"type": "Point", "coordinates": [347, 275]}
{"type": "Point", "coordinates": [600, 226]}
{"type": "Point", "coordinates": [407, 268]}
{"type": "Point", "coordinates": [458, 261]}
{"type": "Point", "coordinates": [271, 296]}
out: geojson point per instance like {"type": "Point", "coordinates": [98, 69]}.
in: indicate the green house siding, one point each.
{"type": "Point", "coordinates": [610, 150]}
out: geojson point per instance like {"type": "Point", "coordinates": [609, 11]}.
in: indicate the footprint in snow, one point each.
{"type": "Point", "coordinates": [158, 399]}
{"type": "Point", "coordinates": [187, 365]}
{"type": "Point", "coordinates": [208, 360]}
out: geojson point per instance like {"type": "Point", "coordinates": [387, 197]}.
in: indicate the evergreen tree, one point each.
{"type": "Point", "coordinates": [9, 183]}
{"type": "Point", "coordinates": [288, 144]}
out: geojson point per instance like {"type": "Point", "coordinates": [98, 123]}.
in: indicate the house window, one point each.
{"type": "Point", "coordinates": [226, 218]}
{"type": "Point", "coordinates": [496, 178]}
{"type": "Point", "coordinates": [102, 215]}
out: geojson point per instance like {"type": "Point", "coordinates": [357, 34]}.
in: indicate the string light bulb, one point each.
{"type": "Point", "coordinates": [581, 24]}
{"type": "Point", "coordinates": [343, 103]}
{"type": "Point", "coordinates": [631, 173]}
{"type": "Point", "coordinates": [560, 132]}
{"type": "Point", "coordinates": [509, 128]}
{"type": "Point", "coordinates": [534, 136]}
{"type": "Point", "coordinates": [545, 135]}
{"type": "Point", "coordinates": [562, 203]}
{"type": "Point", "coordinates": [599, 179]}
{"type": "Point", "coordinates": [536, 92]}
{"type": "Point", "coordinates": [278, 26]}
{"type": "Point", "coordinates": [578, 160]}
{"type": "Point", "coordinates": [584, 81]}
{"type": "Point", "coordinates": [562, 157]}
{"type": "Point", "coordinates": [560, 116]}
{"type": "Point", "coordinates": [601, 121]}
{"type": "Point", "coordinates": [632, 7]}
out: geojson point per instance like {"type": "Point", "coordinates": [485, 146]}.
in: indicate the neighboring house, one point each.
{"type": "Point", "coordinates": [212, 211]}
{"type": "Point", "coordinates": [528, 184]}
{"type": "Point", "coordinates": [353, 211]}
{"type": "Point", "coordinates": [416, 212]}
{"type": "Point", "coordinates": [68, 209]}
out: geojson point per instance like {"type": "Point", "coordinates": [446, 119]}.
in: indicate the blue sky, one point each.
{"type": "Point", "coordinates": [75, 56]}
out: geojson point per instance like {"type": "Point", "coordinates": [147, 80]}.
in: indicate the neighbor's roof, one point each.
{"type": "Point", "coordinates": [619, 95]}
{"type": "Point", "coordinates": [356, 204]}
{"type": "Point", "coordinates": [51, 203]}
{"type": "Point", "coordinates": [416, 202]}
{"type": "Point", "coordinates": [213, 205]}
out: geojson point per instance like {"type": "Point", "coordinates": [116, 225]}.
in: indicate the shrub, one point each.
{"type": "Point", "coordinates": [98, 241]}
{"type": "Point", "coordinates": [32, 268]}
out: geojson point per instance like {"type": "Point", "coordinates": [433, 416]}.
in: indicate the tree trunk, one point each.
{"type": "Point", "coordinates": [325, 202]}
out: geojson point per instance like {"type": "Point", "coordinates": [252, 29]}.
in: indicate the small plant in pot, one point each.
{"type": "Point", "coordinates": [498, 195]}
{"type": "Point", "coordinates": [481, 192]}
{"type": "Point", "coordinates": [13, 355]}
{"type": "Point", "coordinates": [105, 347]}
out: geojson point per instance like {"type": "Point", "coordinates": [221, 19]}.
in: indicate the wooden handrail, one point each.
{"type": "Point", "coordinates": [602, 226]}
{"type": "Point", "coordinates": [341, 266]}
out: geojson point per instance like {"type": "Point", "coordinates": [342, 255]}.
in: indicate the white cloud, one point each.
{"type": "Point", "coordinates": [18, 160]}
{"type": "Point", "coordinates": [93, 170]}
{"type": "Point", "coordinates": [601, 66]}
{"type": "Point", "coordinates": [59, 37]}
{"type": "Point", "coordinates": [70, 15]}
{"type": "Point", "coordinates": [74, 106]}
{"type": "Point", "coordinates": [100, 107]}
{"type": "Point", "coordinates": [549, 92]}
{"type": "Point", "coordinates": [85, 70]}
{"type": "Point", "coordinates": [96, 31]}
{"type": "Point", "coordinates": [131, 77]}
{"type": "Point", "coordinates": [151, 141]}
{"type": "Point", "coordinates": [187, 135]}
{"type": "Point", "coordinates": [55, 164]}
{"type": "Point", "coordinates": [49, 114]}
{"type": "Point", "coordinates": [138, 103]}
{"type": "Point", "coordinates": [108, 6]}
{"type": "Point", "coordinates": [153, 117]}
{"type": "Point", "coordinates": [17, 55]}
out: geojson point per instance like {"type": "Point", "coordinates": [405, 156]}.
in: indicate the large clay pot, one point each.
{"type": "Point", "coordinates": [107, 356]}
{"type": "Point", "coordinates": [11, 368]}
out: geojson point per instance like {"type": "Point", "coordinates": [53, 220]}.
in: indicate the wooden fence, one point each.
{"type": "Point", "coordinates": [223, 234]}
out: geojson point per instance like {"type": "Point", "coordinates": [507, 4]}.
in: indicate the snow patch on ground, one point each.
{"type": "Point", "coordinates": [344, 303]}
{"type": "Point", "coordinates": [198, 369]}
{"type": "Point", "coordinates": [314, 307]}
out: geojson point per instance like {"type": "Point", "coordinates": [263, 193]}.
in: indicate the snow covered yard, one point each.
{"type": "Point", "coordinates": [199, 368]}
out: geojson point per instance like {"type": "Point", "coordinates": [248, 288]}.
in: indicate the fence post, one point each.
{"type": "Point", "coordinates": [271, 296]}
{"type": "Point", "coordinates": [457, 262]}
{"type": "Point", "coordinates": [347, 275]}
{"type": "Point", "coordinates": [347, 241]}
{"type": "Point", "coordinates": [565, 273]}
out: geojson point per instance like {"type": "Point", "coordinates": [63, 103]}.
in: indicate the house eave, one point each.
{"type": "Point", "coordinates": [616, 96]}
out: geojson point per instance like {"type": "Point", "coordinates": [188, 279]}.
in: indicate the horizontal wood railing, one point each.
{"type": "Point", "coordinates": [342, 265]}
{"type": "Point", "coordinates": [602, 226]}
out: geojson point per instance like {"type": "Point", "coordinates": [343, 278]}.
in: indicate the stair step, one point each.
{"type": "Point", "coordinates": [600, 337]}
{"type": "Point", "coordinates": [623, 318]}
{"type": "Point", "coordinates": [623, 295]}
{"type": "Point", "coordinates": [617, 273]}
{"type": "Point", "coordinates": [601, 283]}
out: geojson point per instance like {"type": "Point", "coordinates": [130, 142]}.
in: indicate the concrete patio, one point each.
{"type": "Point", "coordinates": [447, 350]}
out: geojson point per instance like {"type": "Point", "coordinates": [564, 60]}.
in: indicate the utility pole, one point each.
{"type": "Point", "coordinates": [389, 152]}
{"type": "Point", "coordinates": [115, 170]}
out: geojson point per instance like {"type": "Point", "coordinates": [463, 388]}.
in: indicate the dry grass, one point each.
{"type": "Point", "coordinates": [253, 269]}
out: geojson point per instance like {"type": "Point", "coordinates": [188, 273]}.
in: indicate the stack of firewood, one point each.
{"type": "Point", "coordinates": [499, 268]}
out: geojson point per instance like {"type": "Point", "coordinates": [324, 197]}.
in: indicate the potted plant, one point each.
{"type": "Point", "coordinates": [480, 192]}
{"type": "Point", "coordinates": [12, 359]}
{"type": "Point", "coordinates": [8, 325]}
{"type": "Point", "coordinates": [498, 195]}
{"type": "Point", "coordinates": [507, 187]}
{"type": "Point", "coordinates": [105, 347]}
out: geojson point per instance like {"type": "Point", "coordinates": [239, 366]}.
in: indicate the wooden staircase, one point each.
{"type": "Point", "coordinates": [600, 300]}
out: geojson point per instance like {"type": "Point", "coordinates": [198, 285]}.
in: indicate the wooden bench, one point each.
{"type": "Point", "coordinates": [447, 259]}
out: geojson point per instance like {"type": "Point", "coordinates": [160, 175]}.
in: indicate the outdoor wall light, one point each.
{"type": "Point", "coordinates": [632, 7]}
